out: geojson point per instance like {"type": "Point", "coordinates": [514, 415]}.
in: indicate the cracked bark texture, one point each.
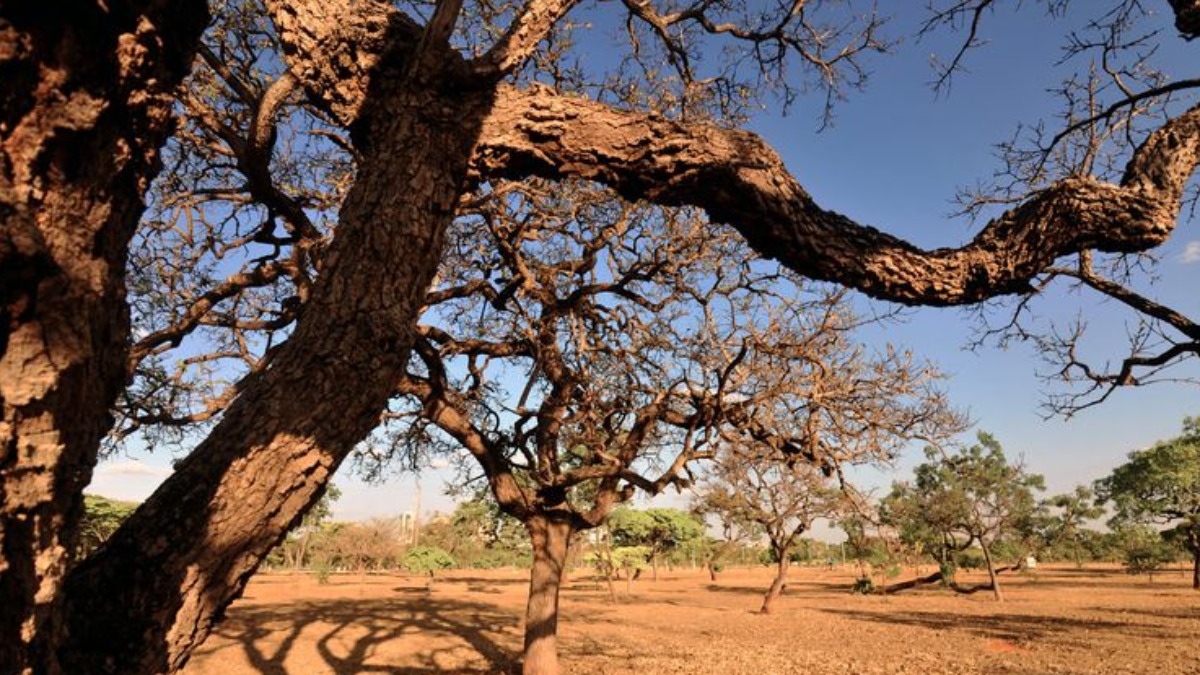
{"type": "Point", "coordinates": [153, 593]}
{"type": "Point", "coordinates": [85, 96]}
{"type": "Point", "coordinates": [146, 600]}
{"type": "Point", "coordinates": [740, 180]}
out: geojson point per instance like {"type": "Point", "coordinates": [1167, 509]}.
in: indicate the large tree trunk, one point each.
{"type": "Point", "coordinates": [551, 535]}
{"type": "Point", "coordinates": [992, 577]}
{"type": "Point", "coordinates": [152, 594]}
{"type": "Point", "coordinates": [85, 97]}
{"type": "Point", "coordinates": [776, 589]}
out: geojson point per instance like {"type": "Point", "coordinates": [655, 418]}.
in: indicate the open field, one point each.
{"type": "Point", "coordinates": [1056, 620]}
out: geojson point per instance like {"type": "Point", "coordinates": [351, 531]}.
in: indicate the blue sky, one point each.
{"type": "Point", "coordinates": [894, 159]}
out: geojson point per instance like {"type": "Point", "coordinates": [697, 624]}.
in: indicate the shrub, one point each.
{"type": "Point", "coordinates": [426, 560]}
{"type": "Point", "coordinates": [863, 586]}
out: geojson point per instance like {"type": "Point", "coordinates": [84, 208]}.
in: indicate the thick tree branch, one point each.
{"type": "Point", "coordinates": [738, 179]}
{"type": "Point", "coordinates": [521, 39]}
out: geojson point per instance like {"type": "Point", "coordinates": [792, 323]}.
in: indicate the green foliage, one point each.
{"type": "Point", "coordinates": [630, 559]}
{"type": "Point", "coordinates": [959, 499]}
{"type": "Point", "coordinates": [101, 517]}
{"type": "Point", "coordinates": [1160, 485]}
{"type": "Point", "coordinates": [658, 531]}
{"type": "Point", "coordinates": [969, 560]}
{"type": "Point", "coordinates": [296, 550]}
{"type": "Point", "coordinates": [1144, 550]}
{"type": "Point", "coordinates": [863, 586]}
{"type": "Point", "coordinates": [479, 535]}
{"type": "Point", "coordinates": [619, 561]}
{"type": "Point", "coordinates": [426, 560]}
{"type": "Point", "coordinates": [321, 569]}
{"type": "Point", "coordinates": [1062, 528]}
{"type": "Point", "coordinates": [948, 569]}
{"type": "Point", "coordinates": [862, 547]}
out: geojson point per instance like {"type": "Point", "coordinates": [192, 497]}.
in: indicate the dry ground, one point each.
{"type": "Point", "coordinates": [1056, 620]}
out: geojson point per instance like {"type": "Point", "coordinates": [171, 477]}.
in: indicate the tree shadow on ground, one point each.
{"type": "Point", "coordinates": [1008, 627]}
{"type": "Point", "coordinates": [799, 587]}
{"type": "Point", "coordinates": [350, 631]}
{"type": "Point", "coordinates": [490, 581]}
{"type": "Point", "coordinates": [1177, 613]}
{"type": "Point", "coordinates": [1055, 584]}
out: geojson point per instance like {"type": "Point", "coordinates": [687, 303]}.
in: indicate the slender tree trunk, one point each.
{"type": "Point", "coordinates": [550, 534]}
{"type": "Point", "coordinates": [301, 550]}
{"type": "Point", "coordinates": [612, 588]}
{"type": "Point", "coordinates": [1196, 567]}
{"type": "Point", "coordinates": [781, 570]}
{"type": "Point", "coordinates": [146, 600]}
{"type": "Point", "coordinates": [85, 96]}
{"type": "Point", "coordinates": [610, 570]}
{"type": "Point", "coordinates": [992, 577]}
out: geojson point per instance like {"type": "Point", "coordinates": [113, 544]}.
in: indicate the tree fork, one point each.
{"type": "Point", "coordinates": [146, 600]}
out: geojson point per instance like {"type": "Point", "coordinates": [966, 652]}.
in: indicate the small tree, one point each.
{"type": "Point", "coordinates": [478, 534]}
{"type": "Point", "coordinates": [1143, 549]}
{"type": "Point", "coordinates": [866, 548]}
{"type": "Point", "coordinates": [1161, 485]}
{"type": "Point", "coordinates": [101, 517]}
{"type": "Point", "coordinates": [1066, 515]}
{"type": "Point", "coordinates": [426, 560]}
{"type": "Point", "coordinates": [294, 549]}
{"type": "Point", "coordinates": [659, 531]}
{"type": "Point", "coordinates": [757, 487]}
{"type": "Point", "coordinates": [966, 498]}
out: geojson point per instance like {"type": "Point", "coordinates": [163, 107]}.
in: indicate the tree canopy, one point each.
{"type": "Point", "coordinates": [971, 497]}
{"type": "Point", "coordinates": [1161, 485]}
{"type": "Point", "coordinates": [317, 291]}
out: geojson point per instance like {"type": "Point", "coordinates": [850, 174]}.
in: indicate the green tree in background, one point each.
{"type": "Point", "coordinates": [478, 534]}
{"type": "Point", "coordinates": [294, 551]}
{"type": "Point", "coordinates": [1161, 486]}
{"type": "Point", "coordinates": [1065, 519]}
{"type": "Point", "coordinates": [971, 497]}
{"type": "Point", "coordinates": [1143, 549]}
{"type": "Point", "coordinates": [101, 517]}
{"type": "Point", "coordinates": [661, 531]}
{"type": "Point", "coordinates": [426, 560]}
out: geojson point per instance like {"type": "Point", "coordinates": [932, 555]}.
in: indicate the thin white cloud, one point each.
{"type": "Point", "coordinates": [1191, 253]}
{"type": "Point", "coordinates": [132, 467]}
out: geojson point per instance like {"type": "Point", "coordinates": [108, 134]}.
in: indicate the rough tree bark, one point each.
{"type": "Point", "coordinates": [188, 553]}
{"type": "Point", "coordinates": [551, 534]}
{"type": "Point", "coordinates": [740, 180]}
{"type": "Point", "coordinates": [153, 593]}
{"type": "Point", "coordinates": [85, 97]}
{"type": "Point", "coordinates": [777, 584]}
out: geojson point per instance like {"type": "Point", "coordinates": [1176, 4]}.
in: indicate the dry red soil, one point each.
{"type": "Point", "coordinates": [1055, 620]}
